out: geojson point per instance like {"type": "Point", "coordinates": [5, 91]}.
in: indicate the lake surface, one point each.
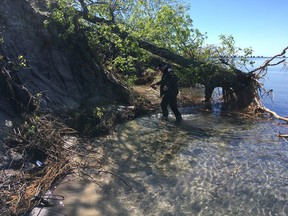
{"type": "Point", "coordinates": [212, 163]}
{"type": "Point", "coordinates": [276, 79]}
{"type": "Point", "coordinates": [279, 83]}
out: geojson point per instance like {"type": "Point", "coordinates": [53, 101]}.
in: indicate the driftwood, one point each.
{"type": "Point", "coordinates": [49, 151]}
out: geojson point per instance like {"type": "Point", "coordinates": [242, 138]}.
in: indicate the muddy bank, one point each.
{"type": "Point", "coordinates": [39, 75]}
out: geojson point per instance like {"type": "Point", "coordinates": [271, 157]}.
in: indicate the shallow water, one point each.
{"type": "Point", "coordinates": [209, 164]}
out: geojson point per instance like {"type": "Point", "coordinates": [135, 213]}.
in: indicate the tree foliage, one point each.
{"type": "Point", "coordinates": [162, 23]}
{"type": "Point", "coordinates": [113, 29]}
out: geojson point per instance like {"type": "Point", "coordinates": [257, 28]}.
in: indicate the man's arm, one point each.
{"type": "Point", "coordinates": [154, 85]}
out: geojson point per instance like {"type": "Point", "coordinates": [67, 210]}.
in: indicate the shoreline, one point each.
{"type": "Point", "coordinates": [186, 97]}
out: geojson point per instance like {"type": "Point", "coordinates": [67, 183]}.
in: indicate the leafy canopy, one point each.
{"type": "Point", "coordinates": [113, 27]}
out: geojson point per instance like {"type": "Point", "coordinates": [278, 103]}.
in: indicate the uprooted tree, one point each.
{"type": "Point", "coordinates": [133, 30]}
{"type": "Point", "coordinates": [129, 37]}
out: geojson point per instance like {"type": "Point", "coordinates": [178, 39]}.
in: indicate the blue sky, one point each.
{"type": "Point", "coordinates": [259, 24]}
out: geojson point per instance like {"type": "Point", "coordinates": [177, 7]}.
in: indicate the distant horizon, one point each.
{"type": "Point", "coordinates": [253, 56]}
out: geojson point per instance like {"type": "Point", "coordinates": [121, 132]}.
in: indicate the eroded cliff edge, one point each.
{"type": "Point", "coordinates": [35, 63]}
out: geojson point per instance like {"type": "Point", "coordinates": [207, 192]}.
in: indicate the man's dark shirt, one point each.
{"type": "Point", "coordinates": [169, 80]}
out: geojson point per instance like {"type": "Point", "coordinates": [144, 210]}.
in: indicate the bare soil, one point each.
{"type": "Point", "coordinates": [186, 97]}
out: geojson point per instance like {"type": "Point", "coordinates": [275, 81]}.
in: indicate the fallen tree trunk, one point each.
{"type": "Point", "coordinates": [168, 55]}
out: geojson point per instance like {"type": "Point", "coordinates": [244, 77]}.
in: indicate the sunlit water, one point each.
{"type": "Point", "coordinates": [211, 163]}
{"type": "Point", "coordinates": [207, 165]}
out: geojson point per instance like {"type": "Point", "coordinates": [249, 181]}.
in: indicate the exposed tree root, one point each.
{"type": "Point", "coordinates": [274, 114]}
{"type": "Point", "coordinates": [262, 108]}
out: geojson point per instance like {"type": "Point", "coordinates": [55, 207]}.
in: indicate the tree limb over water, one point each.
{"type": "Point", "coordinates": [268, 63]}
{"type": "Point", "coordinates": [260, 72]}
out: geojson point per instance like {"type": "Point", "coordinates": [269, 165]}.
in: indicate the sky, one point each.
{"type": "Point", "coordinates": [258, 24]}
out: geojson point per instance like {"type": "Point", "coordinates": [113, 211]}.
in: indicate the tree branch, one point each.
{"type": "Point", "coordinates": [94, 19]}
{"type": "Point", "coordinates": [267, 63]}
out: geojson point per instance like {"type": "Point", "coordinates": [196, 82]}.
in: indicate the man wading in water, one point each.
{"type": "Point", "coordinates": [168, 91]}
